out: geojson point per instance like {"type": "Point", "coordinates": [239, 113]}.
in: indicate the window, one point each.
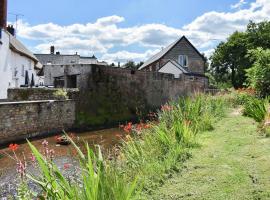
{"type": "Point", "coordinates": [150, 68]}
{"type": "Point", "coordinates": [22, 71]}
{"type": "Point", "coordinates": [15, 72]}
{"type": "Point", "coordinates": [183, 60]}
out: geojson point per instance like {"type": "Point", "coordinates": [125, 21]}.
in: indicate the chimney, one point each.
{"type": "Point", "coordinates": [51, 48]}
{"type": "Point", "coordinates": [3, 14]}
{"type": "Point", "coordinates": [11, 30]}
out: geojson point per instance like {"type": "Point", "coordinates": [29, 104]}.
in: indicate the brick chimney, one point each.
{"type": "Point", "coordinates": [3, 14]}
{"type": "Point", "coordinates": [51, 48]}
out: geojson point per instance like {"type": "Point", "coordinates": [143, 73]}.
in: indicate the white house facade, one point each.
{"type": "Point", "coordinates": [172, 67]}
{"type": "Point", "coordinates": [18, 66]}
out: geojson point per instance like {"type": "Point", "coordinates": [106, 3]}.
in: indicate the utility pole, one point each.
{"type": "Point", "coordinates": [17, 16]}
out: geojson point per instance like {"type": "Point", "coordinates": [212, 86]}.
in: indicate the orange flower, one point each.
{"type": "Point", "coordinates": [128, 127]}
{"type": "Point", "coordinates": [13, 147]}
{"type": "Point", "coordinates": [147, 126]}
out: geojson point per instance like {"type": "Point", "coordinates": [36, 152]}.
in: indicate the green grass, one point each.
{"type": "Point", "coordinates": [145, 161]}
{"type": "Point", "coordinates": [232, 163]}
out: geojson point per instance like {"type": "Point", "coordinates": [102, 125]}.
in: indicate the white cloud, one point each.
{"type": "Point", "coordinates": [239, 4]}
{"type": "Point", "coordinates": [105, 34]}
{"type": "Point", "coordinates": [124, 56]}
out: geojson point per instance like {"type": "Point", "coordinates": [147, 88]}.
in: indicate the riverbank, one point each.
{"type": "Point", "coordinates": [232, 163]}
{"type": "Point", "coordinates": [64, 155]}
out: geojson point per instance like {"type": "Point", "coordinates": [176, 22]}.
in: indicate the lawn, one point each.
{"type": "Point", "coordinates": [232, 162]}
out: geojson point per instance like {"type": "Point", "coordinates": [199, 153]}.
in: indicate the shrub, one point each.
{"type": "Point", "coordinates": [259, 74]}
{"type": "Point", "coordinates": [60, 94]}
{"type": "Point", "coordinates": [256, 108]}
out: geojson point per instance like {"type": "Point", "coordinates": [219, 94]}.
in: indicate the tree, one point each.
{"type": "Point", "coordinates": [131, 65]}
{"type": "Point", "coordinates": [230, 59]}
{"type": "Point", "coordinates": [258, 76]}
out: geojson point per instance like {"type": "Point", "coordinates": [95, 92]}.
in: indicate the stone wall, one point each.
{"type": "Point", "coordinates": [114, 95]}
{"type": "Point", "coordinates": [20, 120]}
{"type": "Point", "coordinates": [33, 94]}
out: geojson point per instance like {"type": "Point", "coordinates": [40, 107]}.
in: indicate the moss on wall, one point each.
{"type": "Point", "coordinates": [109, 101]}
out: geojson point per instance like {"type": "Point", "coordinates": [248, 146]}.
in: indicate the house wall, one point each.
{"type": "Point", "coordinates": [170, 68]}
{"type": "Point", "coordinates": [195, 61]}
{"type": "Point", "coordinates": [20, 120]}
{"type": "Point", "coordinates": [11, 67]}
{"type": "Point", "coordinates": [5, 72]}
{"type": "Point", "coordinates": [80, 70]}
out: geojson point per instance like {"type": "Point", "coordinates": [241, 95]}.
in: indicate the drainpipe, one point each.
{"type": "Point", "coordinates": [65, 76]}
{"type": "Point", "coordinates": [3, 14]}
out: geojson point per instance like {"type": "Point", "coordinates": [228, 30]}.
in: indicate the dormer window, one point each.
{"type": "Point", "coordinates": [183, 60]}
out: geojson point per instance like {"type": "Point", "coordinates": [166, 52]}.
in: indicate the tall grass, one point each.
{"type": "Point", "coordinates": [97, 180]}
{"type": "Point", "coordinates": [256, 108]}
{"type": "Point", "coordinates": [145, 160]}
{"type": "Point", "coordinates": [166, 145]}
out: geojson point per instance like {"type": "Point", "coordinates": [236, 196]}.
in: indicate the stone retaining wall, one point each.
{"type": "Point", "coordinates": [20, 120]}
{"type": "Point", "coordinates": [33, 94]}
{"type": "Point", "coordinates": [114, 95]}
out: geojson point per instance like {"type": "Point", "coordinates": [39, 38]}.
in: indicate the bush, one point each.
{"type": "Point", "coordinates": [258, 75]}
{"type": "Point", "coordinates": [256, 108]}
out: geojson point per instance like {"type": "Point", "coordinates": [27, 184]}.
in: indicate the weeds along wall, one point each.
{"type": "Point", "coordinates": [113, 95]}
{"type": "Point", "coordinates": [33, 94]}
{"type": "Point", "coordinates": [19, 120]}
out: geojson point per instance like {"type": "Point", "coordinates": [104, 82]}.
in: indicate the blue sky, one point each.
{"type": "Point", "coordinates": [130, 30]}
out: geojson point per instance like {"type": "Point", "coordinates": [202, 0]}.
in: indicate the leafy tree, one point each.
{"type": "Point", "coordinates": [131, 65]}
{"type": "Point", "coordinates": [258, 75]}
{"type": "Point", "coordinates": [230, 61]}
{"type": "Point", "coordinates": [259, 34]}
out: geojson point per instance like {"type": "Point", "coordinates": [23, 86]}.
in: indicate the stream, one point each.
{"type": "Point", "coordinates": [63, 156]}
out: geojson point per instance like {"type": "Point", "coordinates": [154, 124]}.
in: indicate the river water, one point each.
{"type": "Point", "coordinates": [107, 139]}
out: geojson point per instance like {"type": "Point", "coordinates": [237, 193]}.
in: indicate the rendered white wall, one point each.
{"type": "Point", "coordinates": [169, 68]}
{"type": "Point", "coordinates": [9, 63]}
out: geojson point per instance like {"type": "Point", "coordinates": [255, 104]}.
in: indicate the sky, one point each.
{"type": "Point", "coordinates": [122, 30]}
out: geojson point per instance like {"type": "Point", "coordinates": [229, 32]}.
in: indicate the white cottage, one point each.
{"type": "Point", "coordinates": [18, 66]}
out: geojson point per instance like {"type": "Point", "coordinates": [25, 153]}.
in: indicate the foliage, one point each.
{"type": "Point", "coordinates": [165, 145]}
{"type": "Point", "coordinates": [98, 181]}
{"type": "Point", "coordinates": [132, 65]}
{"type": "Point", "coordinates": [61, 94]}
{"type": "Point", "coordinates": [144, 160]}
{"type": "Point", "coordinates": [259, 74]}
{"type": "Point", "coordinates": [229, 61]}
{"type": "Point", "coordinates": [256, 108]}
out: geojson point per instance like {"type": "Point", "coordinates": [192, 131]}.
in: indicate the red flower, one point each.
{"type": "Point", "coordinates": [128, 127]}
{"type": "Point", "coordinates": [13, 147]}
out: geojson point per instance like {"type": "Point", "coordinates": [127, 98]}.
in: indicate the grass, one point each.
{"type": "Point", "coordinates": [232, 163]}
{"type": "Point", "coordinates": [145, 161]}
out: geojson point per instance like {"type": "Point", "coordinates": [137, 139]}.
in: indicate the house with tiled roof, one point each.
{"type": "Point", "coordinates": [180, 57]}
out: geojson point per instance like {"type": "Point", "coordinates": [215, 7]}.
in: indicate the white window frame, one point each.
{"type": "Point", "coordinates": [181, 60]}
